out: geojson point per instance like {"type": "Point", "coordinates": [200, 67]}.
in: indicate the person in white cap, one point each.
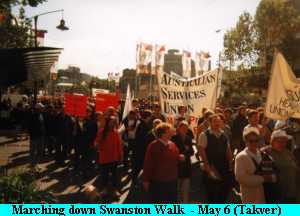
{"type": "Point", "coordinates": [286, 165]}
{"type": "Point", "coordinates": [251, 183]}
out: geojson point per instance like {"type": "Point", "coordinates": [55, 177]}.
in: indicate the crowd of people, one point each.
{"type": "Point", "coordinates": [238, 148]}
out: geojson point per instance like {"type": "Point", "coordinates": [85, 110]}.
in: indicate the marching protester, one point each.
{"type": "Point", "coordinates": [152, 133]}
{"type": "Point", "coordinates": [156, 114]}
{"type": "Point", "coordinates": [108, 143]}
{"type": "Point", "coordinates": [238, 125]}
{"type": "Point", "coordinates": [140, 144]}
{"type": "Point", "coordinates": [248, 169]}
{"type": "Point", "coordinates": [184, 144]}
{"type": "Point", "coordinates": [37, 135]}
{"type": "Point", "coordinates": [130, 124]}
{"type": "Point", "coordinates": [286, 165]}
{"type": "Point", "coordinates": [51, 129]}
{"type": "Point", "coordinates": [161, 167]}
{"type": "Point", "coordinates": [89, 133]}
{"type": "Point", "coordinates": [182, 114]}
{"type": "Point", "coordinates": [253, 120]}
{"type": "Point", "coordinates": [215, 152]}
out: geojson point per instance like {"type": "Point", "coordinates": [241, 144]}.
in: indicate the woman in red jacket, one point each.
{"type": "Point", "coordinates": [110, 150]}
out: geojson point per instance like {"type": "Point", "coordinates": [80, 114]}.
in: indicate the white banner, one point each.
{"type": "Point", "coordinates": [195, 94]}
{"type": "Point", "coordinates": [283, 99]}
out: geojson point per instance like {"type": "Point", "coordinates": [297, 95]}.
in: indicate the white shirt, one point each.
{"type": "Point", "coordinates": [202, 141]}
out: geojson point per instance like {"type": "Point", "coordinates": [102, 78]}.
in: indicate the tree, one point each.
{"type": "Point", "coordinates": [252, 41]}
{"type": "Point", "coordinates": [239, 42]}
{"type": "Point", "coordinates": [276, 23]}
{"type": "Point", "coordinates": [15, 31]}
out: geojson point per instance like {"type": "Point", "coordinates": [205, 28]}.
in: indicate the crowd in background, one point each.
{"type": "Point", "coordinates": [238, 147]}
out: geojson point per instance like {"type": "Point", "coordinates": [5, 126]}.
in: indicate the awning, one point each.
{"type": "Point", "coordinates": [65, 84]}
{"type": "Point", "coordinates": [17, 65]}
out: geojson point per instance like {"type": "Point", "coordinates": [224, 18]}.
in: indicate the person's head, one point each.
{"type": "Point", "coordinates": [146, 115]}
{"type": "Point", "coordinates": [135, 103]}
{"type": "Point", "coordinates": [110, 111]}
{"type": "Point", "coordinates": [279, 139]}
{"type": "Point", "coordinates": [251, 137]}
{"type": "Point", "coordinates": [223, 120]}
{"type": "Point", "coordinates": [207, 114]}
{"type": "Point", "coordinates": [215, 122]}
{"type": "Point", "coordinates": [182, 128]}
{"type": "Point", "coordinates": [156, 122]}
{"type": "Point", "coordinates": [218, 110]}
{"type": "Point", "coordinates": [164, 131]}
{"type": "Point", "coordinates": [253, 117]}
{"type": "Point", "coordinates": [182, 110]}
{"type": "Point", "coordinates": [242, 110]}
{"type": "Point", "coordinates": [227, 114]}
{"type": "Point", "coordinates": [132, 115]}
{"type": "Point", "coordinates": [99, 116]}
{"type": "Point", "coordinates": [156, 108]}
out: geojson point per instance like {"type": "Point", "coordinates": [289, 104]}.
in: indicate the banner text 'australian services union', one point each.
{"type": "Point", "coordinates": [194, 94]}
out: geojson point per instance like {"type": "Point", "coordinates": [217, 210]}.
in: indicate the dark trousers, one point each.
{"type": "Point", "coordinates": [163, 192]}
{"type": "Point", "coordinates": [36, 149]}
{"type": "Point", "coordinates": [216, 191]}
{"type": "Point", "coordinates": [106, 170]}
{"type": "Point", "coordinates": [50, 143]}
{"type": "Point", "coordinates": [60, 150]}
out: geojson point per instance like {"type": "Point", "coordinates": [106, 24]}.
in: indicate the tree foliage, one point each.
{"type": "Point", "coordinates": [239, 42]}
{"type": "Point", "coordinates": [253, 40]}
{"type": "Point", "coordinates": [15, 29]}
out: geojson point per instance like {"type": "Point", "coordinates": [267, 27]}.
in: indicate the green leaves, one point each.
{"type": "Point", "coordinates": [21, 187]}
{"type": "Point", "coordinates": [15, 30]}
{"type": "Point", "coordinates": [253, 40]}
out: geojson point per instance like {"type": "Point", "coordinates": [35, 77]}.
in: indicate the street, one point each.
{"type": "Point", "coordinates": [65, 183]}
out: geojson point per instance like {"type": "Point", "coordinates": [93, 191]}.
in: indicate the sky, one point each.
{"type": "Point", "coordinates": [103, 33]}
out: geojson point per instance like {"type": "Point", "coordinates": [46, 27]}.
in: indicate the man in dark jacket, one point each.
{"type": "Point", "coordinates": [141, 144]}
{"type": "Point", "coordinates": [89, 134]}
{"type": "Point", "coordinates": [238, 126]}
{"type": "Point", "coordinates": [184, 143]}
{"type": "Point", "coordinates": [215, 152]}
{"type": "Point", "coordinates": [37, 134]}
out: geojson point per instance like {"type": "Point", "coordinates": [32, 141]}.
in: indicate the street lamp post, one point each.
{"type": "Point", "coordinates": [62, 26]}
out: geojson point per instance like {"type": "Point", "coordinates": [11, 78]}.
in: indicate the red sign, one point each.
{"type": "Point", "coordinates": [106, 100]}
{"type": "Point", "coordinates": [75, 105]}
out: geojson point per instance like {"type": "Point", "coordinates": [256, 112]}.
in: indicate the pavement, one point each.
{"type": "Point", "coordinates": [69, 186]}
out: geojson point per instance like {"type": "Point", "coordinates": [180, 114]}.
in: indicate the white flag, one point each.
{"type": "Point", "coordinates": [186, 64]}
{"type": "Point", "coordinates": [128, 103]}
{"type": "Point", "coordinates": [144, 57]}
{"type": "Point", "coordinates": [159, 55]}
{"type": "Point", "coordinates": [202, 62]}
{"type": "Point", "coordinates": [283, 99]}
